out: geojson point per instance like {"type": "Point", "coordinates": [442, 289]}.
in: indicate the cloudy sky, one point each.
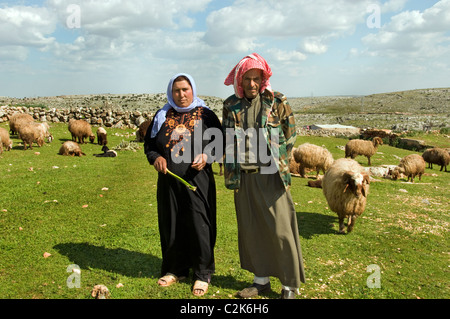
{"type": "Point", "coordinates": [315, 47]}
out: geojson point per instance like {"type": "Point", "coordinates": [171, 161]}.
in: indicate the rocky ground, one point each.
{"type": "Point", "coordinates": [407, 110]}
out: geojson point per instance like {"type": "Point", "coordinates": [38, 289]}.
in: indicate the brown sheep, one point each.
{"type": "Point", "coordinates": [102, 136]}
{"type": "Point", "coordinates": [315, 183]}
{"type": "Point", "coordinates": [361, 147]}
{"type": "Point", "coordinates": [411, 166]}
{"type": "Point", "coordinates": [346, 187]}
{"type": "Point", "coordinates": [294, 167]}
{"type": "Point", "coordinates": [29, 134]}
{"type": "Point", "coordinates": [313, 157]}
{"type": "Point", "coordinates": [437, 156]}
{"type": "Point", "coordinates": [80, 129]}
{"type": "Point", "coordinates": [140, 134]}
{"type": "Point", "coordinates": [5, 140]}
{"type": "Point", "coordinates": [70, 148]}
{"type": "Point", "coordinates": [17, 120]}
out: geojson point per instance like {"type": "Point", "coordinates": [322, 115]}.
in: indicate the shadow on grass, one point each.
{"type": "Point", "coordinates": [117, 260]}
{"type": "Point", "coordinates": [310, 224]}
{"type": "Point", "coordinates": [230, 282]}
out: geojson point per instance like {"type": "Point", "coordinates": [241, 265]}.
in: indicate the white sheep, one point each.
{"type": "Point", "coordinates": [346, 187]}
{"type": "Point", "coordinates": [45, 129]}
{"type": "Point", "coordinates": [411, 166]}
{"type": "Point", "coordinates": [102, 136]}
{"type": "Point", "coordinates": [313, 157]}
{"type": "Point", "coordinates": [354, 148]}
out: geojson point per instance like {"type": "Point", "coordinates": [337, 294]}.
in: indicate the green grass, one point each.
{"type": "Point", "coordinates": [115, 239]}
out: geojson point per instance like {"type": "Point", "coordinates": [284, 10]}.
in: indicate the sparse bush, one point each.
{"type": "Point", "coordinates": [127, 146]}
{"type": "Point", "coordinates": [444, 130]}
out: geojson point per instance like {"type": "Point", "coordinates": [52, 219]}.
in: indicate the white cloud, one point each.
{"type": "Point", "coordinates": [27, 26]}
{"type": "Point", "coordinates": [413, 34]}
{"type": "Point", "coordinates": [113, 32]}
{"type": "Point", "coordinates": [393, 6]}
{"type": "Point", "coordinates": [286, 56]}
{"type": "Point", "coordinates": [246, 25]}
{"type": "Point", "coordinates": [133, 45]}
{"type": "Point", "coordinates": [314, 45]}
{"type": "Point", "coordinates": [116, 17]}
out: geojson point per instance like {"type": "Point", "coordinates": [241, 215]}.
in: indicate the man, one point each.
{"type": "Point", "coordinates": [257, 169]}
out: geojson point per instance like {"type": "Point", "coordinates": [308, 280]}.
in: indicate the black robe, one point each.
{"type": "Point", "coordinates": [187, 219]}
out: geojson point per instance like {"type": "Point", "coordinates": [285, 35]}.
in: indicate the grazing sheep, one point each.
{"type": "Point", "coordinates": [411, 166]}
{"type": "Point", "coordinates": [361, 147]}
{"type": "Point", "coordinates": [81, 129]}
{"type": "Point", "coordinates": [294, 167]}
{"type": "Point", "coordinates": [143, 127]}
{"type": "Point", "coordinates": [315, 183]}
{"type": "Point", "coordinates": [106, 152]}
{"type": "Point", "coordinates": [5, 140]}
{"type": "Point", "coordinates": [17, 120]}
{"type": "Point", "coordinates": [346, 186]}
{"type": "Point", "coordinates": [437, 156]}
{"type": "Point", "coordinates": [45, 130]}
{"type": "Point", "coordinates": [32, 132]}
{"type": "Point", "coordinates": [313, 157]}
{"type": "Point", "coordinates": [102, 136]}
{"type": "Point", "coordinates": [70, 148]}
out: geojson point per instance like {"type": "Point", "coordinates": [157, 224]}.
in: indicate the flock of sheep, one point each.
{"type": "Point", "coordinates": [31, 132]}
{"type": "Point", "coordinates": [345, 183]}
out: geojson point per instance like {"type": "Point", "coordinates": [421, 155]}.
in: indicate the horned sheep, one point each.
{"type": "Point", "coordinates": [437, 156]}
{"type": "Point", "coordinates": [313, 157]}
{"type": "Point", "coordinates": [346, 187]}
{"type": "Point", "coordinates": [70, 148]}
{"type": "Point", "coordinates": [80, 129]}
{"type": "Point", "coordinates": [365, 148]}
{"type": "Point", "coordinates": [411, 166]}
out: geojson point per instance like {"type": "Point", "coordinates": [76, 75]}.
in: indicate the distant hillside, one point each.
{"type": "Point", "coordinates": [406, 110]}
{"type": "Point", "coordinates": [131, 102]}
{"type": "Point", "coordinates": [415, 109]}
{"type": "Point", "coordinates": [423, 101]}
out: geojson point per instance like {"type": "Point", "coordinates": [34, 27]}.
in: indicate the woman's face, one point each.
{"type": "Point", "coordinates": [182, 93]}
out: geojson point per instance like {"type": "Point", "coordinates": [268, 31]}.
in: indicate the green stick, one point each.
{"type": "Point", "coordinates": [194, 188]}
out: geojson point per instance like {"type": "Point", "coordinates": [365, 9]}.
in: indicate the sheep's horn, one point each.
{"type": "Point", "coordinates": [346, 186]}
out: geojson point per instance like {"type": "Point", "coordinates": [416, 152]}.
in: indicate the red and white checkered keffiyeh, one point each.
{"type": "Point", "coordinates": [252, 61]}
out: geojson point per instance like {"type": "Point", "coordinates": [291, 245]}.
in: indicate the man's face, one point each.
{"type": "Point", "coordinates": [182, 93]}
{"type": "Point", "coordinates": [251, 82]}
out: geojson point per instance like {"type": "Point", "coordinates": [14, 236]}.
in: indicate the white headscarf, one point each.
{"type": "Point", "coordinates": [160, 116]}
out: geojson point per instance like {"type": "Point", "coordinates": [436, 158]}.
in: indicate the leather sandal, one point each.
{"type": "Point", "coordinates": [200, 288]}
{"type": "Point", "coordinates": [167, 280]}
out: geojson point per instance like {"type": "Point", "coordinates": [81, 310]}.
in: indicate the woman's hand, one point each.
{"type": "Point", "coordinates": [160, 164]}
{"type": "Point", "coordinates": [199, 162]}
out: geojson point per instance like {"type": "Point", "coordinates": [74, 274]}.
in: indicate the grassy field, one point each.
{"type": "Point", "coordinates": [100, 214]}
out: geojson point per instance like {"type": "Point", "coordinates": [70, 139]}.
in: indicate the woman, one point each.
{"type": "Point", "coordinates": [186, 218]}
